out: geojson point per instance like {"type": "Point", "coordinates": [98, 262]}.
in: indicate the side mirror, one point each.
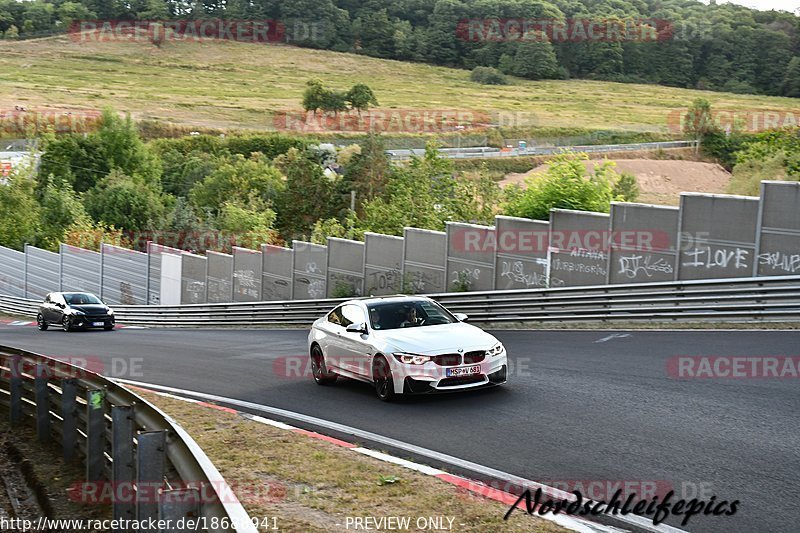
{"type": "Point", "coordinates": [356, 328]}
{"type": "Point", "coordinates": [461, 317]}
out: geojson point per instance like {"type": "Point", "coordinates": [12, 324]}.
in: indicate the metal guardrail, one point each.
{"type": "Point", "coordinates": [484, 152]}
{"type": "Point", "coordinates": [743, 299]}
{"type": "Point", "coordinates": [154, 467]}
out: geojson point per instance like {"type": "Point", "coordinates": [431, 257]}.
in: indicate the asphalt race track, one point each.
{"type": "Point", "coordinates": [580, 405]}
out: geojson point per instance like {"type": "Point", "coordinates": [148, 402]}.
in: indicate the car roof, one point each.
{"type": "Point", "coordinates": [386, 299]}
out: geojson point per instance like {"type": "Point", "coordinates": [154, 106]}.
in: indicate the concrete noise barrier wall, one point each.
{"type": "Point", "coordinates": [424, 261]}
{"type": "Point", "coordinates": [155, 251]}
{"type": "Point", "coordinates": [310, 270]}
{"type": "Point", "coordinates": [717, 236]}
{"type": "Point", "coordinates": [470, 256]}
{"type": "Point", "coordinates": [383, 264]}
{"type": "Point", "coordinates": [276, 283]}
{"type": "Point", "coordinates": [220, 278]}
{"type": "Point", "coordinates": [81, 270]}
{"type": "Point", "coordinates": [12, 272]}
{"type": "Point", "coordinates": [345, 268]}
{"type": "Point", "coordinates": [42, 272]}
{"type": "Point", "coordinates": [779, 229]}
{"type": "Point", "coordinates": [193, 279]}
{"type": "Point", "coordinates": [125, 275]}
{"type": "Point", "coordinates": [246, 275]}
{"type": "Point", "coordinates": [521, 258]}
{"type": "Point", "coordinates": [579, 246]}
{"type": "Point", "coordinates": [644, 243]}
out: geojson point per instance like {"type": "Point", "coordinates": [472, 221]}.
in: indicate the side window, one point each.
{"type": "Point", "coordinates": [335, 316]}
{"type": "Point", "coordinates": [352, 314]}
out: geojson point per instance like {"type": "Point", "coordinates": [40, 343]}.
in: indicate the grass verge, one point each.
{"type": "Point", "coordinates": [312, 485]}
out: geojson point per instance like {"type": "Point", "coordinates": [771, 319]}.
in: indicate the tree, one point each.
{"type": "Point", "coordinates": [626, 188]}
{"type": "Point", "coordinates": [250, 226]}
{"type": "Point", "coordinates": [791, 81]}
{"type": "Point", "coordinates": [238, 179]}
{"type": "Point", "coordinates": [314, 96]}
{"type": "Point", "coordinates": [334, 102]}
{"type": "Point", "coordinates": [60, 209]}
{"type": "Point", "coordinates": [699, 121]}
{"type": "Point", "coordinates": [535, 58]}
{"type": "Point", "coordinates": [20, 220]}
{"type": "Point", "coordinates": [361, 97]}
{"type": "Point", "coordinates": [565, 185]}
{"type": "Point", "coordinates": [308, 197]}
{"type": "Point", "coordinates": [126, 202]}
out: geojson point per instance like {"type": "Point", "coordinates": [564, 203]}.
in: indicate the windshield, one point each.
{"type": "Point", "coordinates": [408, 314]}
{"type": "Point", "coordinates": [81, 298]}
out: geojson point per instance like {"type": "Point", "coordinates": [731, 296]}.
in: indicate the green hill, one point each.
{"type": "Point", "coordinates": [239, 85]}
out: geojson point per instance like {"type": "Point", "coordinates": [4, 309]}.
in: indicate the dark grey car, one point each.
{"type": "Point", "coordinates": [74, 310]}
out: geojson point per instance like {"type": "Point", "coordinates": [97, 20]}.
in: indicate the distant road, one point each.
{"type": "Point", "coordinates": [485, 152]}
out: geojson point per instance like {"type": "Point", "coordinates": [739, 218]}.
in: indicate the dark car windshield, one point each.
{"type": "Point", "coordinates": [408, 314]}
{"type": "Point", "coordinates": [81, 298]}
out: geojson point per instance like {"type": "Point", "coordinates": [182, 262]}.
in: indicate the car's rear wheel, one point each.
{"type": "Point", "coordinates": [318, 368]}
{"type": "Point", "coordinates": [382, 377]}
{"type": "Point", "coordinates": [66, 323]}
{"type": "Point", "coordinates": [41, 323]}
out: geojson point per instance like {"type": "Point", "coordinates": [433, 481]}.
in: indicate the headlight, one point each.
{"type": "Point", "coordinates": [411, 358]}
{"type": "Point", "coordinates": [497, 349]}
{"type": "Point", "coordinates": [76, 312]}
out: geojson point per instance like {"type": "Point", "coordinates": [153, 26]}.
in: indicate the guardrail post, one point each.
{"type": "Point", "coordinates": [15, 384]}
{"type": "Point", "coordinates": [95, 435]}
{"type": "Point", "coordinates": [69, 411]}
{"type": "Point", "coordinates": [122, 465]}
{"type": "Point", "coordinates": [150, 456]}
{"type": "Point", "coordinates": [179, 507]}
{"type": "Point", "coordinates": [42, 403]}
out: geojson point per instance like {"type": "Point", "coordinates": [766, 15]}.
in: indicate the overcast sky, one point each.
{"type": "Point", "coordinates": [766, 5]}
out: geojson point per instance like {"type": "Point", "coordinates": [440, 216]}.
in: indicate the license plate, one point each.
{"type": "Point", "coordinates": [98, 324]}
{"type": "Point", "coordinates": [463, 371]}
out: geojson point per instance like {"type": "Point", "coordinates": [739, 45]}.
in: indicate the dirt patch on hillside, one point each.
{"type": "Point", "coordinates": [660, 181]}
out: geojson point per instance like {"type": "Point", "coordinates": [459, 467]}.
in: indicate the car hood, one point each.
{"type": "Point", "coordinates": [445, 338]}
{"type": "Point", "coordinates": [90, 309]}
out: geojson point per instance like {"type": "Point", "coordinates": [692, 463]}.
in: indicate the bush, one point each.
{"type": "Point", "coordinates": [565, 186]}
{"type": "Point", "coordinates": [488, 76]}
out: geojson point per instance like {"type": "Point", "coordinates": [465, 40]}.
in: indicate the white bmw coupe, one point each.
{"type": "Point", "coordinates": [404, 345]}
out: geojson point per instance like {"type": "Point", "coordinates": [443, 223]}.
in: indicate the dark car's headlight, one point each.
{"type": "Point", "coordinates": [497, 349]}
{"type": "Point", "coordinates": [411, 358]}
{"type": "Point", "coordinates": [75, 312]}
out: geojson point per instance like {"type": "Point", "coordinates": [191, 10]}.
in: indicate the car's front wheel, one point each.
{"type": "Point", "coordinates": [40, 323]}
{"type": "Point", "coordinates": [318, 368]}
{"type": "Point", "coordinates": [382, 377]}
{"type": "Point", "coordinates": [66, 323]}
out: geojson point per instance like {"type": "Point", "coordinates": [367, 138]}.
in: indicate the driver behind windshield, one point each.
{"type": "Point", "coordinates": [411, 318]}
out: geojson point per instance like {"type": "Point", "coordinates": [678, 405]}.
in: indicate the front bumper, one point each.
{"type": "Point", "coordinates": [430, 378]}
{"type": "Point", "coordinates": [88, 322]}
